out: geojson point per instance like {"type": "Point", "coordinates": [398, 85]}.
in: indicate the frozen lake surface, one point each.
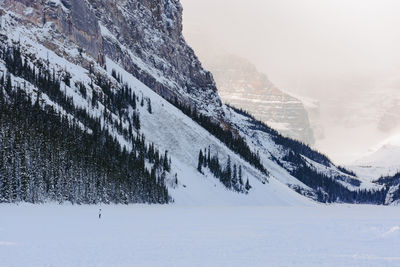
{"type": "Point", "coordinates": [139, 235]}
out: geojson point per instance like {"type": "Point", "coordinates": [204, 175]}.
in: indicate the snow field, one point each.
{"type": "Point", "coordinates": [140, 235]}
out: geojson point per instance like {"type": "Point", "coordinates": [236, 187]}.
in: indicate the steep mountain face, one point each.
{"type": "Point", "coordinates": [313, 108]}
{"type": "Point", "coordinates": [241, 85]}
{"type": "Point", "coordinates": [144, 37]}
{"type": "Point", "coordinates": [98, 105]}
{"type": "Point", "coordinates": [121, 73]}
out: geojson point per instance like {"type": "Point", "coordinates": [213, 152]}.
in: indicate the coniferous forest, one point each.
{"type": "Point", "coordinates": [45, 155]}
{"type": "Point", "coordinates": [234, 142]}
{"type": "Point", "coordinates": [230, 176]}
{"type": "Point", "coordinates": [328, 189]}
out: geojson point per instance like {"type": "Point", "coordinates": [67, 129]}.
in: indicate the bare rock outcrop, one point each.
{"type": "Point", "coordinates": [143, 36]}
{"type": "Point", "coordinates": [241, 85]}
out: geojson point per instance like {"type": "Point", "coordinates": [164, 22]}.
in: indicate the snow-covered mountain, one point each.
{"type": "Point", "coordinates": [371, 110]}
{"type": "Point", "coordinates": [382, 165]}
{"type": "Point", "coordinates": [120, 72]}
{"type": "Point", "coordinates": [382, 160]}
{"type": "Point", "coordinates": [241, 85]}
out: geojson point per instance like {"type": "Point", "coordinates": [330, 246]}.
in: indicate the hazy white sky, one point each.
{"type": "Point", "coordinates": [288, 39]}
{"type": "Point", "coordinates": [325, 49]}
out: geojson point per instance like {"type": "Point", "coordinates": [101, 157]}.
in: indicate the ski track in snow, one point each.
{"type": "Point", "coordinates": [140, 235]}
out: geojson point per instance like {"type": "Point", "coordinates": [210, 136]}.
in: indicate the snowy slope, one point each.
{"type": "Point", "coordinates": [167, 127]}
{"type": "Point", "coordinates": [383, 160]}
{"type": "Point", "coordinates": [262, 142]}
{"type": "Point", "coordinates": [184, 140]}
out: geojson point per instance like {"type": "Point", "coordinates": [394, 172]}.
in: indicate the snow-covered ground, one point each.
{"type": "Point", "coordinates": [140, 235]}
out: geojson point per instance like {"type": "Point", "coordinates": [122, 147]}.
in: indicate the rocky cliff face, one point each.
{"type": "Point", "coordinates": [241, 85]}
{"type": "Point", "coordinates": [69, 18]}
{"type": "Point", "coordinates": [74, 41]}
{"type": "Point", "coordinates": [144, 36]}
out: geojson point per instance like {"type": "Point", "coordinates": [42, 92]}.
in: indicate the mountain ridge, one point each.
{"type": "Point", "coordinates": [181, 117]}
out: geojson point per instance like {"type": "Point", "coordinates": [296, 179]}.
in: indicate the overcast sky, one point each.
{"type": "Point", "coordinates": [325, 49]}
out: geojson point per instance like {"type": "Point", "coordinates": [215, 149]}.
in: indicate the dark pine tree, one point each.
{"type": "Point", "coordinates": [200, 161]}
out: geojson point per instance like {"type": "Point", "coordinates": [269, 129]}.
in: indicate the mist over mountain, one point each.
{"type": "Point", "coordinates": [119, 79]}
{"type": "Point", "coordinates": [118, 147]}
{"type": "Point", "coordinates": [381, 160]}
{"type": "Point", "coordinates": [330, 51]}
{"type": "Point", "coordinates": [241, 85]}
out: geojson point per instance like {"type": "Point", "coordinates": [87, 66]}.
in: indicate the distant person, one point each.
{"type": "Point", "coordinates": [99, 213]}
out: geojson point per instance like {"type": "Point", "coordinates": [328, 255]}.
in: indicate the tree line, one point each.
{"type": "Point", "coordinates": [45, 155]}
{"type": "Point", "coordinates": [327, 189]}
{"type": "Point", "coordinates": [230, 176]}
{"type": "Point", "coordinates": [233, 141]}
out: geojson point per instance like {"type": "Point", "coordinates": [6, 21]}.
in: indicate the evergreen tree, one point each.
{"type": "Point", "coordinates": [240, 176]}
{"type": "Point", "coordinates": [247, 186]}
{"type": "Point", "coordinates": [209, 155]}
{"type": "Point", "coordinates": [166, 165]}
{"type": "Point", "coordinates": [228, 173]}
{"type": "Point", "coordinates": [149, 109]}
{"type": "Point", "coordinates": [200, 162]}
{"type": "Point", "coordinates": [58, 160]}
{"type": "Point", "coordinates": [205, 158]}
{"type": "Point", "coordinates": [235, 181]}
